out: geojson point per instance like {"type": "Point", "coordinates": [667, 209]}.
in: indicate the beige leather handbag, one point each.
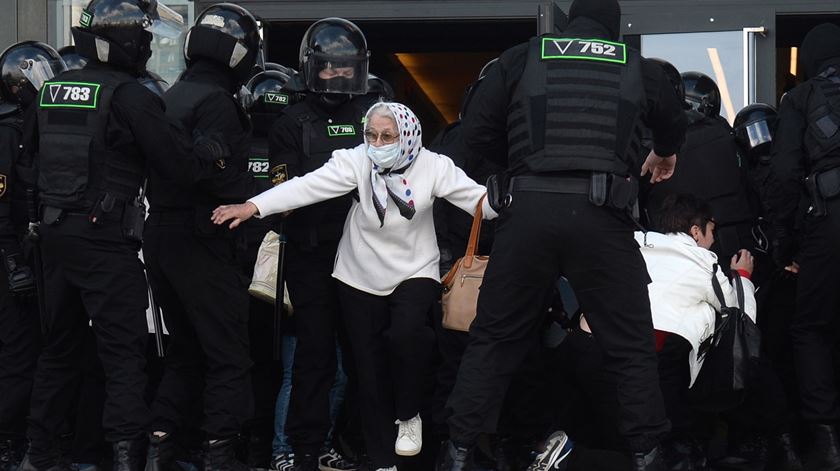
{"type": "Point", "coordinates": [265, 272]}
{"type": "Point", "coordinates": [461, 284]}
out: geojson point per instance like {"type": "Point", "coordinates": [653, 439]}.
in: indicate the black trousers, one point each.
{"type": "Point", "coordinates": [266, 374]}
{"type": "Point", "coordinates": [815, 327]}
{"type": "Point", "coordinates": [20, 337]}
{"type": "Point", "coordinates": [392, 343]}
{"type": "Point", "coordinates": [538, 238]}
{"type": "Point", "coordinates": [314, 296]}
{"type": "Point", "coordinates": [203, 295]}
{"type": "Point", "coordinates": [92, 274]}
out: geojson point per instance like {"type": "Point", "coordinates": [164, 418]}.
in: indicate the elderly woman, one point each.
{"type": "Point", "coordinates": [387, 263]}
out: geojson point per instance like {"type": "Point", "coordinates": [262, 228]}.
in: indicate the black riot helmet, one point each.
{"type": "Point", "coordinates": [72, 59]}
{"type": "Point", "coordinates": [380, 88]}
{"type": "Point", "coordinates": [701, 93]}
{"type": "Point", "coordinates": [673, 76]}
{"type": "Point", "coordinates": [119, 32]}
{"type": "Point", "coordinates": [754, 127]}
{"type": "Point", "coordinates": [229, 35]}
{"type": "Point", "coordinates": [24, 68]}
{"type": "Point", "coordinates": [334, 57]}
{"type": "Point", "coordinates": [269, 95]}
{"type": "Point", "coordinates": [471, 88]}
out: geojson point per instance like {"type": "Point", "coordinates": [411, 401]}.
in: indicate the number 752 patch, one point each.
{"type": "Point", "coordinates": [70, 95]}
{"type": "Point", "coordinates": [583, 49]}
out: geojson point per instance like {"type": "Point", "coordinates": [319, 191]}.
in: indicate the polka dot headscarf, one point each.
{"type": "Point", "coordinates": [391, 182]}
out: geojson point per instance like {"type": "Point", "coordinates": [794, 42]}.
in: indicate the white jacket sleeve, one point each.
{"type": "Point", "coordinates": [335, 178]}
{"type": "Point", "coordinates": [452, 184]}
{"type": "Point", "coordinates": [730, 294]}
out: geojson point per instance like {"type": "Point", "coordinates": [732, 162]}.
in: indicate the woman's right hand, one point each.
{"type": "Point", "coordinates": [743, 260]}
{"type": "Point", "coordinates": [238, 212]}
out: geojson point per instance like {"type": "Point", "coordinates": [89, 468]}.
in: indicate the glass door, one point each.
{"type": "Point", "coordinates": [728, 57]}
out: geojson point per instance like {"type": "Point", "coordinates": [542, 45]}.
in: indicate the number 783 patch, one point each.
{"type": "Point", "coordinates": [77, 95]}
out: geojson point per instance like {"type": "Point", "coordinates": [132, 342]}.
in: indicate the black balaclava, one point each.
{"type": "Point", "coordinates": [820, 44]}
{"type": "Point", "coordinates": [605, 12]}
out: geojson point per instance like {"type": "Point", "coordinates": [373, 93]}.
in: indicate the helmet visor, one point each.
{"type": "Point", "coordinates": [337, 74]}
{"type": "Point", "coordinates": [166, 22]}
{"type": "Point", "coordinates": [38, 71]}
{"type": "Point", "coordinates": [758, 133]}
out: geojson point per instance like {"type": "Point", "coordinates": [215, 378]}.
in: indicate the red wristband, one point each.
{"type": "Point", "coordinates": [744, 274]}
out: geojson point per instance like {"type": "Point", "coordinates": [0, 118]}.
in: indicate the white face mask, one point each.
{"type": "Point", "coordinates": [385, 156]}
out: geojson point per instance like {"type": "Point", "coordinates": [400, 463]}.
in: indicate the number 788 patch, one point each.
{"type": "Point", "coordinates": [70, 95]}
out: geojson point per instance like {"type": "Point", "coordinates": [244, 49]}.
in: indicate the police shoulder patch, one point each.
{"type": "Point", "coordinates": [2, 185]}
{"type": "Point", "coordinates": [336, 130]}
{"type": "Point", "coordinates": [77, 95]}
{"type": "Point", "coordinates": [274, 98]}
{"type": "Point", "coordinates": [278, 174]}
{"type": "Point", "coordinates": [583, 49]}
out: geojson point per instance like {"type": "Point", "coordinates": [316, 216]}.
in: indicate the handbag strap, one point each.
{"type": "Point", "coordinates": [739, 288]}
{"type": "Point", "coordinates": [472, 244]}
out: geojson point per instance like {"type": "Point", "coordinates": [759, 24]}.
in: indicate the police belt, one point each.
{"type": "Point", "coordinates": [561, 185]}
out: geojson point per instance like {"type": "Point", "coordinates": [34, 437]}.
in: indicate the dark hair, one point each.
{"type": "Point", "coordinates": [679, 212]}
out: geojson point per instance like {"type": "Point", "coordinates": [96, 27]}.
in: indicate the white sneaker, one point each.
{"type": "Point", "coordinates": [392, 468]}
{"type": "Point", "coordinates": [409, 437]}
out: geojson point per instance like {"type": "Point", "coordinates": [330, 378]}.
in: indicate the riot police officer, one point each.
{"type": "Point", "coordinates": [19, 315]}
{"type": "Point", "coordinates": [268, 99]}
{"type": "Point", "coordinates": [97, 130]}
{"type": "Point", "coordinates": [193, 267]}
{"type": "Point", "coordinates": [334, 66]}
{"type": "Point", "coordinates": [806, 207]}
{"type": "Point", "coordinates": [754, 127]}
{"type": "Point", "coordinates": [568, 213]}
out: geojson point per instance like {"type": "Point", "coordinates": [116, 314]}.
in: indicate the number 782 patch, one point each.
{"type": "Point", "coordinates": [77, 95]}
{"type": "Point", "coordinates": [583, 49]}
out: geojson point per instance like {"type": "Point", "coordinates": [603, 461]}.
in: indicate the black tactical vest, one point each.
{"type": "Point", "coordinates": [76, 167]}
{"type": "Point", "coordinates": [576, 107]}
{"type": "Point", "coordinates": [320, 136]}
{"type": "Point", "coordinates": [822, 136]}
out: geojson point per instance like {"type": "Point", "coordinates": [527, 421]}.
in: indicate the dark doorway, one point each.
{"type": "Point", "coordinates": [790, 31]}
{"type": "Point", "coordinates": [429, 64]}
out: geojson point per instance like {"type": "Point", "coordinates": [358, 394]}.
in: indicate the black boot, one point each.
{"type": "Point", "coordinates": [11, 453]}
{"type": "Point", "coordinates": [454, 458]}
{"type": "Point", "coordinates": [161, 454]}
{"type": "Point", "coordinates": [128, 455]}
{"type": "Point", "coordinates": [781, 454]}
{"type": "Point", "coordinates": [220, 455]}
{"type": "Point", "coordinates": [824, 454]}
{"type": "Point", "coordinates": [650, 461]}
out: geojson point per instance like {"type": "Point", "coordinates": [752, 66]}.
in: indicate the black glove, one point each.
{"type": "Point", "coordinates": [21, 279]}
{"type": "Point", "coordinates": [211, 149]}
{"type": "Point", "coordinates": [784, 249]}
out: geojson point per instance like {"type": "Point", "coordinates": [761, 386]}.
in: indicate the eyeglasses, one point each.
{"type": "Point", "coordinates": [387, 137]}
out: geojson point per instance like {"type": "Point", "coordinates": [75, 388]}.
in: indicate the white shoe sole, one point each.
{"type": "Point", "coordinates": [407, 452]}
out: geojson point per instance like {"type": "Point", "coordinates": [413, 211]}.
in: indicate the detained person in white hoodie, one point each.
{"type": "Point", "coordinates": [387, 263]}
{"type": "Point", "coordinates": [682, 297]}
